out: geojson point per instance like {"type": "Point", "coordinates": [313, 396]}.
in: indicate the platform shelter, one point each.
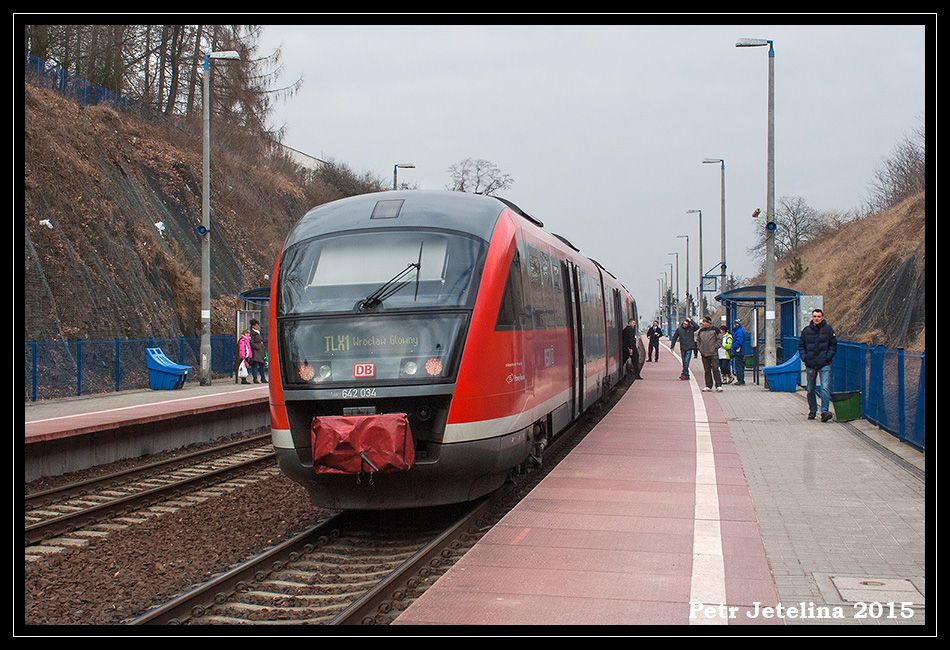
{"type": "Point", "coordinates": [747, 304]}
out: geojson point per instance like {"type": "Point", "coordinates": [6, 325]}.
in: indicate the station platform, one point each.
{"type": "Point", "coordinates": [684, 507]}
{"type": "Point", "coordinates": [75, 433]}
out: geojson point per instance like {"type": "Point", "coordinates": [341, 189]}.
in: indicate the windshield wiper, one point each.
{"type": "Point", "coordinates": [390, 287]}
{"type": "Point", "coordinates": [418, 270]}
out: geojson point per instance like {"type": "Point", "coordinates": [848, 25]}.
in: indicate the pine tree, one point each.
{"type": "Point", "coordinates": [795, 271]}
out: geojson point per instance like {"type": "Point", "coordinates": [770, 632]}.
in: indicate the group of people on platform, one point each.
{"type": "Point", "coordinates": [723, 354]}
{"type": "Point", "coordinates": [720, 349]}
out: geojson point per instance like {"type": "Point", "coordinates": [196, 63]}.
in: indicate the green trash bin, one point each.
{"type": "Point", "coordinates": [847, 405]}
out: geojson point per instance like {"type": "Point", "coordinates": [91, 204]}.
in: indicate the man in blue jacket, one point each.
{"type": "Point", "coordinates": [738, 352]}
{"type": "Point", "coordinates": [816, 347]}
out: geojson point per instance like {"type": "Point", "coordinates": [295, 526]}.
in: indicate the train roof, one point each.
{"type": "Point", "coordinates": [475, 214]}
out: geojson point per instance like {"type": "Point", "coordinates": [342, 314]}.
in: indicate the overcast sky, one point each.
{"type": "Point", "coordinates": [604, 128]}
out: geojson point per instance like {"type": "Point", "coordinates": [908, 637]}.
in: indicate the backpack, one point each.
{"type": "Point", "coordinates": [726, 346]}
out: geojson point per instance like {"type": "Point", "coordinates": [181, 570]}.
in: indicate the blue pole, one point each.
{"type": "Point", "coordinates": [33, 346]}
{"type": "Point", "coordinates": [919, 419]}
{"type": "Point", "coordinates": [118, 365]}
{"type": "Point", "coordinates": [865, 398]}
{"type": "Point", "coordinates": [79, 366]}
{"type": "Point", "coordinates": [901, 426]}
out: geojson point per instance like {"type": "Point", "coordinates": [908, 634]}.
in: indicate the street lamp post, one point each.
{"type": "Point", "coordinates": [722, 211]}
{"type": "Point", "coordinates": [770, 205]}
{"type": "Point", "coordinates": [403, 166]}
{"type": "Point", "coordinates": [205, 231]}
{"type": "Point", "coordinates": [659, 302]}
{"type": "Point", "coordinates": [699, 294]}
{"type": "Point", "coordinates": [669, 291]}
{"type": "Point", "coordinates": [677, 282]}
{"type": "Point", "coordinates": [664, 305]}
{"type": "Point", "coordinates": [688, 311]}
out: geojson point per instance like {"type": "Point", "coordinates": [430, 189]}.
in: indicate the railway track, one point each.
{"type": "Point", "coordinates": [357, 568]}
{"type": "Point", "coordinates": [70, 507]}
{"type": "Point", "coordinates": [339, 572]}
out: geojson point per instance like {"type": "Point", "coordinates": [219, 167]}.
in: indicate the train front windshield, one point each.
{"type": "Point", "coordinates": [327, 338]}
{"type": "Point", "coordinates": [336, 273]}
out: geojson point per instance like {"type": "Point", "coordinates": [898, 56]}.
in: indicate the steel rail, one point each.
{"type": "Point", "coordinates": [81, 488]}
{"type": "Point", "coordinates": [362, 610]}
{"type": "Point", "coordinates": [66, 523]}
{"type": "Point", "coordinates": [196, 601]}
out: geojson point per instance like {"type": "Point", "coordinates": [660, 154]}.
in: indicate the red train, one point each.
{"type": "Point", "coordinates": [425, 343]}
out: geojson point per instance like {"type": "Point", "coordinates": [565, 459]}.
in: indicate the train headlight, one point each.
{"type": "Point", "coordinates": [410, 368]}
{"type": "Point", "coordinates": [305, 371]}
{"type": "Point", "coordinates": [324, 372]}
{"type": "Point", "coordinates": [434, 367]}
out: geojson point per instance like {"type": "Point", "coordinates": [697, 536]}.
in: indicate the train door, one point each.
{"type": "Point", "coordinates": [573, 303]}
{"type": "Point", "coordinates": [618, 333]}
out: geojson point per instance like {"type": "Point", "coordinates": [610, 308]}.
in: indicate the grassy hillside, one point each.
{"type": "Point", "coordinates": [871, 273]}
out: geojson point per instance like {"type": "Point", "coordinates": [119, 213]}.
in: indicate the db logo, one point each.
{"type": "Point", "coordinates": [364, 370]}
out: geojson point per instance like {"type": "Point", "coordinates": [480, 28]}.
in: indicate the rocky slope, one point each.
{"type": "Point", "coordinates": [104, 178]}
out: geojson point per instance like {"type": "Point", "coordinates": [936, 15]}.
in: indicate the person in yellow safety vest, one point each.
{"type": "Point", "coordinates": [725, 362]}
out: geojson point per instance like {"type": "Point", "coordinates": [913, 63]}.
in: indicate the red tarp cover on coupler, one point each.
{"type": "Point", "coordinates": [361, 443]}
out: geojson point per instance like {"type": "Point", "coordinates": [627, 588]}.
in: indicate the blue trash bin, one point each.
{"type": "Point", "coordinates": [163, 373]}
{"type": "Point", "coordinates": [783, 378]}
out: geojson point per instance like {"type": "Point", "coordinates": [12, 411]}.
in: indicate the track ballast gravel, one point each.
{"type": "Point", "coordinates": [122, 575]}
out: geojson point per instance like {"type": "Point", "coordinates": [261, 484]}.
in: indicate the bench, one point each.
{"type": "Point", "coordinates": [784, 377]}
{"type": "Point", "coordinates": [163, 373]}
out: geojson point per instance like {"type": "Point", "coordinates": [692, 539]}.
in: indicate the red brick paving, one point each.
{"type": "Point", "coordinates": [606, 538]}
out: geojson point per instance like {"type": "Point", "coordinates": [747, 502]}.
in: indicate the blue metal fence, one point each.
{"type": "Point", "coordinates": [65, 368]}
{"type": "Point", "coordinates": [82, 91]}
{"type": "Point", "coordinates": [891, 381]}
{"type": "Point", "coordinates": [892, 385]}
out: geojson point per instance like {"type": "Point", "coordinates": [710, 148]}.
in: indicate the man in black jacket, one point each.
{"type": "Point", "coordinates": [257, 352]}
{"type": "Point", "coordinates": [630, 350]}
{"type": "Point", "coordinates": [816, 347]}
{"type": "Point", "coordinates": [654, 333]}
{"type": "Point", "coordinates": [685, 335]}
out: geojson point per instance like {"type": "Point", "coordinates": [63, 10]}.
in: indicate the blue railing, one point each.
{"type": "Point", "coordinates": [83, 91]}
{"type": "Point", "coordinates": [85, 366]}
{"type": "Point", "coordinates": [892, 384]}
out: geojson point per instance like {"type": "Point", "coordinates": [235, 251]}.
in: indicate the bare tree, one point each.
{"type": "Point", "coordinates": [478, 176]}
{"type": "Point", "coordinates": [193, 78]}
{"type": "Point", "coordinates": [798, 223]}
{"type": "Point", "coordinates": [157, 66]}
{"type": "Point", "coordinates": [902, 174]}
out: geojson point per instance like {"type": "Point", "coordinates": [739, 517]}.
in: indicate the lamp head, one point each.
{"type": "Point", "coordinates": [226, 54]}
{"type": "Point", "coordinates": [751, 42]}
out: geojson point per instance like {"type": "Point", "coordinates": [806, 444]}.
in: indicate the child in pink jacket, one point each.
{"type": "Point", "coordinates": [244, 352]}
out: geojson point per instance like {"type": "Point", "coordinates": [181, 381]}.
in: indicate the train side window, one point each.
{"type": "Point", "coordinates": [512, 301]}
{"type": "Point", "coordinates": [534, 267]}
{"type": "Point", "coordinates": [534, 290]}
{"type": "Point", "coordinates": [548, 294]}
